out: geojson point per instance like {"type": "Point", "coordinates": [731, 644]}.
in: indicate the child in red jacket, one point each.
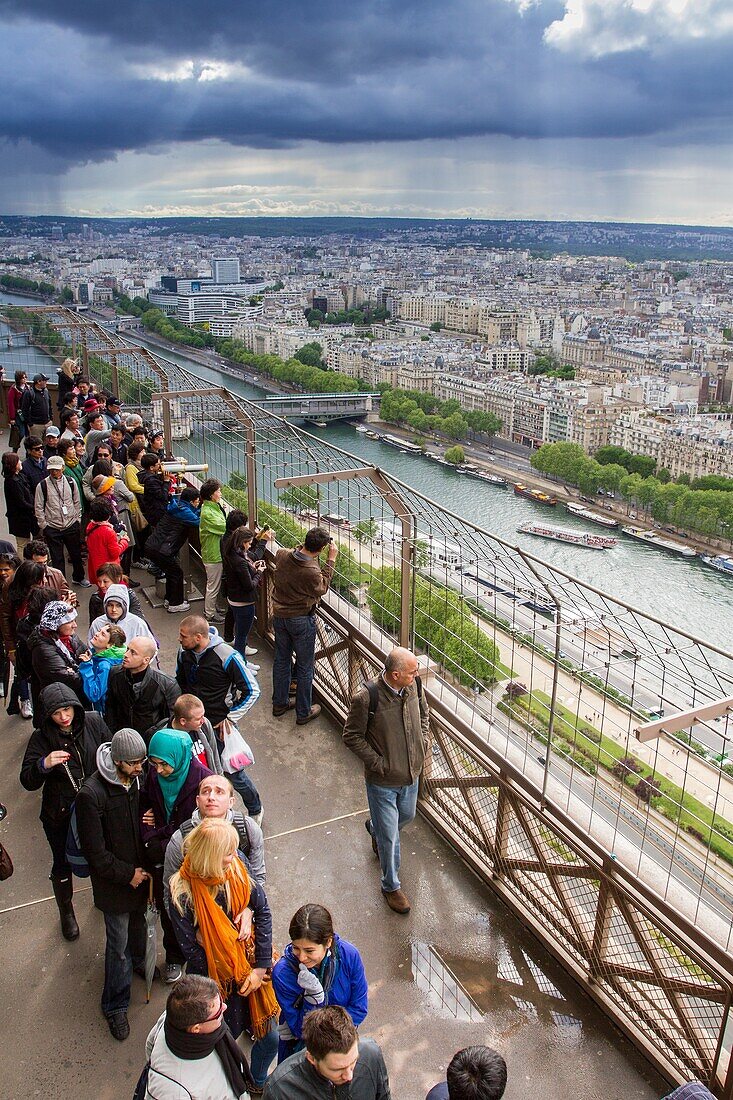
{"type": "Point", "coordinates": [103, 542]}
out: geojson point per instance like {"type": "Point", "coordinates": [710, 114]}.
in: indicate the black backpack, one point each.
{"type": "Point", "coordinates": [372, 687]}
{"type": "Point", "coordinates": [239, 821]}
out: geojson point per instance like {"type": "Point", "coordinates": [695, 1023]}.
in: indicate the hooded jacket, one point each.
{"type": "Point", "coordinates": [108, 814]}
{"type": "Point", "coordinates": [96, 605]}
{"type": "Point", "coordinates": [220, 678]}
{"type": "Point", "coordinates": [103, 545]}
{"type": "Point", "coordinates": [95, 674]}
{"type": "Point", "coordinates": [172, 530]}
{"type": "Point", "coordinates": [300, 581]}
{"type": "Point", "coordinates": [86, 734]}
{"type": "Point", "coordinates": [137, 703]}
{"type": "Point", "coordinates": [133, 626]}
{"type": "Point", "coordinates": [53, 663]}
{"type": "Point", "coordinates": [348, 990]}
{"type": "Point", "coordinates": [212, 527]}
{"type": "Point", "coordinates": [297, 1079]}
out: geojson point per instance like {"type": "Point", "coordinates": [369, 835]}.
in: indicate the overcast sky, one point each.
{"type": "Point", "coordinates": [581, 109]}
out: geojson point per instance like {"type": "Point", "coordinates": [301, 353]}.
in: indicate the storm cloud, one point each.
{"type": "Point", "coordinates": [90, 81]}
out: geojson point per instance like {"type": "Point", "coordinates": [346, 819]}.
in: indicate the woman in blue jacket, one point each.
{"type": "Point", "coordinates": [317, 968]}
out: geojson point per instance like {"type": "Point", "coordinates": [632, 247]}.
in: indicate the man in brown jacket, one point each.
{"type": "Point", "coordinates": [300, 581]}
{"type": "Point", "coordinates": [388, 729]}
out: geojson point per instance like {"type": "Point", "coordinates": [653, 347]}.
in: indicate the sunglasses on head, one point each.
{"type": "Point", "coordinates": [217, 1015]}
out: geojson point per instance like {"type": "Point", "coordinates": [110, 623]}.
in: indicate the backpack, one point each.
{"type": "Point", "coordinates": [373, 688]}
{"type": "Point", "coordinates": [239, 821]}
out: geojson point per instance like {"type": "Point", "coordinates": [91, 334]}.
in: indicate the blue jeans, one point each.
{"type": "Point", "coordinates": [261, 1055]}
{"type": "Point", "coordinates": [294, 636]}
{"type": "Point", "coordinates": [125, 949]}
{"type": "Point", "coordinates": [243, 784]}
{"type": "Point", "coordinates": [391, 808]}
{"type": "Point", "coordinates": [243, 619]}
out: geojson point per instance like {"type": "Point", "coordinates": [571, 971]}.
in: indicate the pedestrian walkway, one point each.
{"type": "Point", "coordinates": [458, 970]}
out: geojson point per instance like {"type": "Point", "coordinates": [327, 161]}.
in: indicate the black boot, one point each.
{"type": "Point", "coordinates": [63, 889]}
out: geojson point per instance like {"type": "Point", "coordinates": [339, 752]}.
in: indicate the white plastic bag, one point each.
{"type": "Point", "coordinates": [236, 753]}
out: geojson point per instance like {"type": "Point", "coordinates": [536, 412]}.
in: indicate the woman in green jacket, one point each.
{"type": "Point", "coordinates": [212, 527]}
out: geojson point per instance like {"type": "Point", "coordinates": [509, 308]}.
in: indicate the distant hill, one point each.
{"type": "Point", "coordinates": [634, 241]}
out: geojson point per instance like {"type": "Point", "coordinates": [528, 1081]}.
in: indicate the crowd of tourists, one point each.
{"type": "Point", "coordinates": [141, 773]}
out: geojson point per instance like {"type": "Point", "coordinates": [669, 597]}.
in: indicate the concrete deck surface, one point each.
{"type": "Point", "coordinates": [458, 970]}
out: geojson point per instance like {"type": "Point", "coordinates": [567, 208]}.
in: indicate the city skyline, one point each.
{"type": "Point", "coordinates": [547, 109]}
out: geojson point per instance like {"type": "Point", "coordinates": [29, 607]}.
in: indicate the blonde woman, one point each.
{"type": "Point", "coordinates": [209, 900]}
{"type": "Point", "coordinates": [68, 373]}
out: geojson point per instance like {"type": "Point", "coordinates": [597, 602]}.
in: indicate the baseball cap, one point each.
{"type": "Point", "coordinates": [113, 400]}
{"type": "Point", "coordinates": [52, 430]}
{"type": "Point", "coordinates": [40, 378]}
{"type": "Point", "coordinates": [55, 462]}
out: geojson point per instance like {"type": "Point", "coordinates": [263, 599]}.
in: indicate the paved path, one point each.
{"type": "Point", "coordinates": [56, 1043]}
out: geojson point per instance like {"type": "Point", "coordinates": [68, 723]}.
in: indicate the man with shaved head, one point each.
{"type": "Point", "coordinates": [388, 727]}
{"type": "Point", "coordinates": [138, 696]}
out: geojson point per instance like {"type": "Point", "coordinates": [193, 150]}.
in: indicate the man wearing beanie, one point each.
{"type": "Point", "coordinates": [107, 811]}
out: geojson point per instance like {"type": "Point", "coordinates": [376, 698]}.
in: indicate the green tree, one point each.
{"type": "Point", "coordinates": [436, 326]}
{"type": "Point", "coordinates": [297, 498]}
{"type": "Point", "coordinates": [366, 531]}
{"type": "Point", "coordinates": [455, 455]}
{"type": "Point", "coordinates": [311, 355]}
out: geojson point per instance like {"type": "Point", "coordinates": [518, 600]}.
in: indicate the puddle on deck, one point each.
{"type": "Point", "coordinates": [512, 988]}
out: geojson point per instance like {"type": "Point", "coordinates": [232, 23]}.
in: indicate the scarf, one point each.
{"type": "Point", "coordinates": [174, 748]}
{"type": "Point", "coordinates": [71, 459]}
{"type": "Point", "coordinates": [190, 1046]}
{"type": "Point", "coordinates": [229, 960]}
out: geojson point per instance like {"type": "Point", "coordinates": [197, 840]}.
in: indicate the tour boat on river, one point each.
{"type": "Point", "coordinates": [593, 517]}
{"type": "Point", "coordinates": [534, 494]}
{"type": "Point", "coordinates": [722, 562]}
{"type": "Point", "coordinates": [576, 538]}
{"type": "Point", "coordinates": [653, 539]}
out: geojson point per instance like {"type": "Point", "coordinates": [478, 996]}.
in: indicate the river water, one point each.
{"type": "Point", "coordinates": [683, 593]}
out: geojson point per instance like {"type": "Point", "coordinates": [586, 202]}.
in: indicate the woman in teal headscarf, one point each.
{"type": "Point", "coordinates": [167, 799]}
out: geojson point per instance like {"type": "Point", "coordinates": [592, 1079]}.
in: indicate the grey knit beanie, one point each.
{"type": "Point", "coordinates": [127, 745]}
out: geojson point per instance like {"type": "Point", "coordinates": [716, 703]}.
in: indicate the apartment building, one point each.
{"type": "Point", "coordinates": [696, 446]}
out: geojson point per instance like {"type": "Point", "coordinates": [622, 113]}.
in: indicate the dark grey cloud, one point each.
{"type": "Point", "coordinates": [85, 82]}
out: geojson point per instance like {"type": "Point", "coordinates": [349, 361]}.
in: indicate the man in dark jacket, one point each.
{"type": "Point", "coordinates": [219, 676]}
{"type": "Point", "coordinates": [390, 739]}
{"type": "Point", "coordinates": [108, 811]}
{"type": "Point", "coordinates": [155, 485]}
{"type": "Point", "coordinates": [300, 581]}
{"type": "Point", "coordinates": [34, 464]}
{"type": "Point", "coordinates": [61, 753]}
{"type": "Point", "coordinates": [172, 530]}
{"type": "Point", "coordinates": [334, 1056]}
{"type": "Point", "coordinates": [35, 405]}
{"type": "Point", "coordinates": [139, 696]}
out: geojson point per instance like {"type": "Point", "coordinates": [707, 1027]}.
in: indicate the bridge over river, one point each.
{"type": "Point", "coordinates": [320, 408]}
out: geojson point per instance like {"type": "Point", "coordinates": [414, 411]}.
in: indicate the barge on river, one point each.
{"type": "Point", "coordinates": [534, 494]}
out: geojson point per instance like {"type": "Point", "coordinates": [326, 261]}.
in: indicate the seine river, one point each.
{"type": "Point", "coordinates": [683, 593]}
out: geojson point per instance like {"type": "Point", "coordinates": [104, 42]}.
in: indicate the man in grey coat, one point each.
{"type": "Point", "coordinates": [388, 727]}
{"type": "Point", "coordinates": [334, 1056]}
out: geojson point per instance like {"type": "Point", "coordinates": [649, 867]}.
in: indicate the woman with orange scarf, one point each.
{"type": "Point", "coordinates": [209, 896]}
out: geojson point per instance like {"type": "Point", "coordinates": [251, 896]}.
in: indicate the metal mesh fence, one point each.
{"type": "Point", "coordinates": [537, 683]}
